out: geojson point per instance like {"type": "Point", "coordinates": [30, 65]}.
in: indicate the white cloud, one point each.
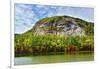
{"type": "Point", "coordinates": [24, 17]}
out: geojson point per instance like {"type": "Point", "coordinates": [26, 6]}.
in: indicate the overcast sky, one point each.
{"type": "Point", "coordinates": [26, 15]}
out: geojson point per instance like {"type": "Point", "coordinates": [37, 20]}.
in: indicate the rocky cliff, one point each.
{"type": "Point", "coordinates": [63, 26]}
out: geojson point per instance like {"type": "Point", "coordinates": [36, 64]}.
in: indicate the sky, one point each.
{"type": "Point", "coordinates": [26, 15]}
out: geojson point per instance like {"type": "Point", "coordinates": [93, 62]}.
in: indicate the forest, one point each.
{"type": "Point", "coordinates": [30, 44]}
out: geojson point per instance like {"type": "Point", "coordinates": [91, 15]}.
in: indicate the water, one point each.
{"type": "Point", "coordinates": [44, 59]}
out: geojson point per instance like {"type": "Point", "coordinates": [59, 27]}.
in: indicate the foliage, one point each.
{"type": "Point", "coordinates": [29, 43]}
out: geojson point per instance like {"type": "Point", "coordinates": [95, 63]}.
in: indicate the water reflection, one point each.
{"type": "Point", "coordinates": [43, 59]}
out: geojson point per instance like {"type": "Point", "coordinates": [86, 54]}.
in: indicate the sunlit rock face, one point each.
{"type": "Point", "coordinates": [59, 25]}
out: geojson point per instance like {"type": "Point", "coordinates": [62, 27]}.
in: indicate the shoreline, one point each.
{"type": "Point", "coordinates": [53, 53]}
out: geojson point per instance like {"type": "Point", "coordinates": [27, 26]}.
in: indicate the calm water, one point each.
{"type": "Point", "coordinates": [54, 58]}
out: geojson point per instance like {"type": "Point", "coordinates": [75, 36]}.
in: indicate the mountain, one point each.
{"type": "Point", "coordinates": [63, 26]}
{"type": "Point", "coordinates": [37, 40]}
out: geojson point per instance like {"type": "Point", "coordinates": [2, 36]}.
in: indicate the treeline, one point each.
{"type": "Point", "coordinates": [37, 44]}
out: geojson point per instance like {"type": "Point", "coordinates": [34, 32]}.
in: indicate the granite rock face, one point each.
{"type": "Point", "coordinates": [62, 26]}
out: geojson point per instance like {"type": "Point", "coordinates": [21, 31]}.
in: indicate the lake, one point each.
{"type": "Point", "coordinates": [44, 59]}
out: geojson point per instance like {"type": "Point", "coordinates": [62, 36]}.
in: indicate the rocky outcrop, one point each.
{"type": "Point", "coordinates": [60, 25]}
